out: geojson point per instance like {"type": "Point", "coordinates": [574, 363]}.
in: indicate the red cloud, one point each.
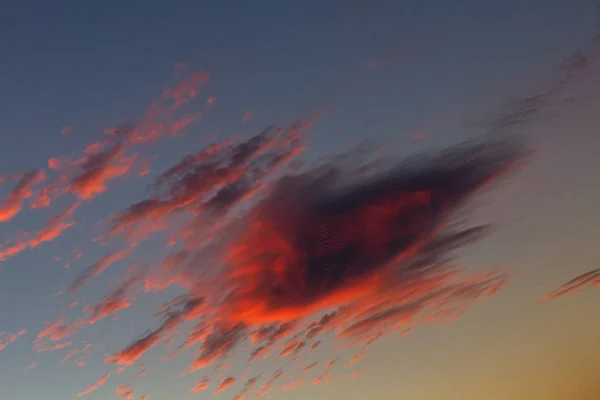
{"type": "Point", "coordinates": [55, 227]}
{"type": "Point", "coordinates": [97, 169]}
{"type": "Point", "coordinates": [58, 330]}
{"type": "Point", "coordinates": [217, 179]}
{"type": "Point", "coordinates": [12, 205]}
{"type": "Point", "coordinates": [95, 386]}
{"type": "Point", "coordinates": [340, 248]}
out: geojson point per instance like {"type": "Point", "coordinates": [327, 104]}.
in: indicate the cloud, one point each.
{"type": "Point", "coordinates": [97, 169]}
{"type": "Point", "coordinates": [218, 345]}
{"type": "Point", "coordinates": [186, 90]}
{"type": "Point", "coordinates": [55, 227]}
{"type": "Point", "coordinates": [217, 179]}
{"type": "Point", "coordinates": [125, 392]}
{"type": "Point", "coordinates": [266, 387]}
{"type": "Point", "coordinates": [225, 383]}
{"type": "Point", "coordinates": [117, 300]}
{"type": "Point", "coordinates": [310, 366]}
{"type": "Point", "coordinates": [97, 268]}
{"type": "Point", "coordinates": [587, 280]}
{"type": "Point", "coordinates": [350, 247]}
{"type": "Point", "coordinates": [174, 314]}
{"type": "Point", "coordinates": [319, 241]}
{"type": "Point", "coordinates": [248, 115]}
{"type": "Point", "coordinates": [545, 102]}
{"type": "Point", "coordinates": [6, 339]}
{"type": "Point", "coordinates": [31, 366]}
{"type": "Point", "coordinates": [22, 190]}
{"type": "Point", "coordinates": [201, 384]}
{"type": "Point", "coordinates": [95, 386]}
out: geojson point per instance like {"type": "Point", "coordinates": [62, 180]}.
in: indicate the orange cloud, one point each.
{"type": "Point", "coordinates": [225, 383]}
{"type": "Point", "coordinates": [321, 378]}
{"type": "Point", "coordinates": [58, 330]}
{"type": "Point", "coordinates": [125, 392]}
{"type": "Point", "coordinates": [95, 386]}
{"type": "Point", "coordinates": [311, 366]}
{"type": "Point", "coordinates": [201, 385]}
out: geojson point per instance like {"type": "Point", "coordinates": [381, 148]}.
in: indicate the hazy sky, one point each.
{"type": "Point", "coordinates": [129, 270]}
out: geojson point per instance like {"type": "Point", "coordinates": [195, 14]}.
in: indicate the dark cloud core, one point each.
{"type": "Point", "coordinates": [322, 238]}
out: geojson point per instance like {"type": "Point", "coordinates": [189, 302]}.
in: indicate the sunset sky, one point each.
{"type": "Point", "coordinates": [333, 199]}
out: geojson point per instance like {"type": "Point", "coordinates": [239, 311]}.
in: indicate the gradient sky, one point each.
{"type": "Point", "coordinates": [413, 75]}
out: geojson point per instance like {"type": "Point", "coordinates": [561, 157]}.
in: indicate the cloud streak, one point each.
{"type": "Point", "coordinates": [22, 191]}
{"type": "Point", "coordinates": [584, 281]}
{"type": "Point", "coordinates": [95, 386]}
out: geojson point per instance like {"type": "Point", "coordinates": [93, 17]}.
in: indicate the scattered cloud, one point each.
{"type": "Point", "coordinates": [95, 386]}
{"type": "Point", "coordinates": [125, 392]}
{"type": "Point", "coordinates": [55, 227]}
{"type": "Point", "coordinates": [13, 204]}
{"type": "Point", "coordinates": [97, 169]}
{"type": "Point", "coordinates": [201, 384]}
{"type": "Point", "coordinates": [6, 339]}
{"type": "Point", "coordinates": [97, 268]}
{"type": "Point", "coordinates": [225, 383]}
{"type": "Point", "coordinates": [248, 115]}
{"type": "Point", "coordinates": [587, 280]}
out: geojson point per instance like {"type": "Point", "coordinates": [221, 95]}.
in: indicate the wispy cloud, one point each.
{"type": "Point", "coordinates": [225, 383]}
{"type": "Point", "coordinates": [583, 281]}
{"type": "Point", "coordinates": [95, 386]}
{"type": "Point", "coordinates": [6, 339]}
{"type": "Point", "coordinates": [22, 191]}
{"type": "Point", "coordinates": [97, 268]}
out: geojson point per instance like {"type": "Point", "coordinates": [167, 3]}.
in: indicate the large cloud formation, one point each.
{"type": "Point", "coordinates": [358, 245]}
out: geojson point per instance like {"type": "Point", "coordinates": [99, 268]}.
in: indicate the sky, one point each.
{"type": "Point", "coordinates": [288, 200]}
